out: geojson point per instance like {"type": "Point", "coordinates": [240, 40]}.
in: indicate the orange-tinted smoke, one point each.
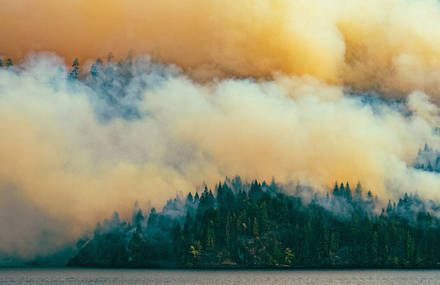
{"type": "Point", "coordinates": [387, 45]}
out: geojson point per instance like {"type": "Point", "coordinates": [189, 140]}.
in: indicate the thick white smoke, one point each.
{"type": "Point", "coordinates": [68, 158]}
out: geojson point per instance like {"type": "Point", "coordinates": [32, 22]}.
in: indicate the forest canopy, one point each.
{"type": "Point", "coordinates": [259, 225]}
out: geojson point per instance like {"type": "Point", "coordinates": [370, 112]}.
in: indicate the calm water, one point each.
{"type": "Point", "coordinates": [79, 276]}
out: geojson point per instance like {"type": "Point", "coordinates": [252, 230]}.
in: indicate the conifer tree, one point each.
{"type": "Point", "coordinates": [75, 70]}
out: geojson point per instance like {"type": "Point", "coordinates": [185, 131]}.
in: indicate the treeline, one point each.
{"type": "Point", "coordinates": [259, 225]}
{"type": "Point", "coordinates": [8, 63]}
{"type": "Point", "coordinates": [428, 159]}
{"type": "Point", "coordinates": [115, 87]}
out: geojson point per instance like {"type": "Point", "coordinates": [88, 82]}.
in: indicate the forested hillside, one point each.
{"type": "Point", "coordinates": [258, 225]}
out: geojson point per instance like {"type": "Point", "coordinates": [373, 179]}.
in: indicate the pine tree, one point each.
{"type": "Point", "coordinates": [429, 168]}
{"type": "Point", "coordinates": [75, 70]}
{"type": "Point", "coordinates": [336, 189]}
{"type": "Point", "coordinates": [348, 192]}
{"type": "Point", "coordinates": [96, 69]}
{"type": "Point", "coordinates": [137, 248]}
{"type": "Point", "coordinates": [152, 219]}
{"type": "Point", "coordinates": [189, 198]}
{"type": "Point", "coordinates": [9, 63]}
{"type": "Point", "coordinates": [138, 218]}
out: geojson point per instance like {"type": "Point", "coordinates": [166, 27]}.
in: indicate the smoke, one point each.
{"type": "Point", "coordinates": [391, 46]}
{"type": "Point", "coordinates": [260, 89]}
{"type": "Point", "coordinates": [59, 156]}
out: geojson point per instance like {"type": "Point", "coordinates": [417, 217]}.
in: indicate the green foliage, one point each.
{"type": "Point", "coordinates": [257, 225]}
{"type": "Point", "coordinates": [75, 70]}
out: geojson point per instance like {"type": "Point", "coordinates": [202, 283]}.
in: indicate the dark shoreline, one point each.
{"type": "Point", "coordinates": [224, 268]}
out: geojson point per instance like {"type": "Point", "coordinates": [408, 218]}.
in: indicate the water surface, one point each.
{"type": "Point", "coordinates": [214, 277]}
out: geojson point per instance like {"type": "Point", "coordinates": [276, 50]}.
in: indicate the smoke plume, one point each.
{"type": "Point", "coordinates": [390, 45]}
{"type": "Point", "coordinates": [259, 89]}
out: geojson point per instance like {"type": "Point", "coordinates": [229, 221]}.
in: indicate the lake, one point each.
{"type": "Point", "coordinates": [211, 277]}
